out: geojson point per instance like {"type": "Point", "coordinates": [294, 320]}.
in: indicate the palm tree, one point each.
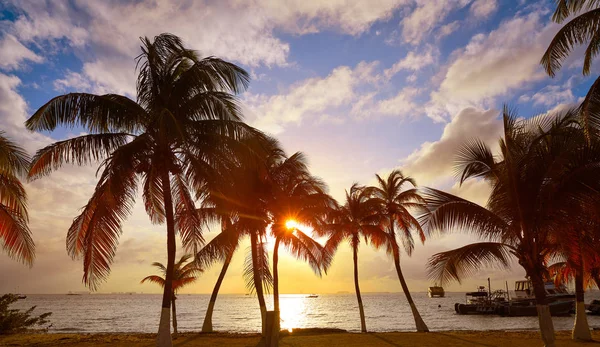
{"type": "Point", "coordinates": [182, 130]}
{"type": "Point", "coordinates": [357, 218]}
{"type": "Point", "coordinates": [183, 274]}
{"type": "Point", "coordinates": [220, 248]}
{"type": "Point", "coordinates": [582, 29]}
{"type": "Point", "coordinates": [297, 198]}
{"type": "Point", "coordinates": [14, 231]}
{"type": "Point", "coordinates": [395, 204]}
{"type": "Point", "coordinates": [543, 176]}
{"type": "Point", "coordinates": [241, 199]}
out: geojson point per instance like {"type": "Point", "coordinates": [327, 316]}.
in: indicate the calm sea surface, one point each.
{"type": "Point", "coordinates": [240, 313]}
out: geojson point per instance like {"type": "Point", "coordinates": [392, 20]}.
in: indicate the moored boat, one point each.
{"type": "Point", "coordinates": [436, 292]}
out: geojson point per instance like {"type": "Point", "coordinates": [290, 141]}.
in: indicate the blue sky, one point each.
{"type": "Point", "coordinates": [360, 87]}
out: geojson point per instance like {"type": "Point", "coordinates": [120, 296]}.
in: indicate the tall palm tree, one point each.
{"type": "Point", "coordinates": [581, 29]}
{"type": "Point", "coordinates": [183, 274]}
{"type": "Point", "coordinates": [297, 198]}
{"type": "Point", "coordinates": [396, 204]}
{"type": "Point", "coordinates": [220, 248]}
{"type": "Point", "coordinates": [358, 217]}
{"type": "Point", "coordinates": [182, 130]}
{"type": "Point", "coordinates": [241, 198]}
{"type": "Point", "coordinates": [14, 231]}
{"type": "Point", "coordinates": [540, 180]}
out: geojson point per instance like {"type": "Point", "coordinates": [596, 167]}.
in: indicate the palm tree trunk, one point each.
{"type": "Point", "coordinates": [581, 329]}
{"type": "Point", "coordinates": [164, 330]}
{"type": "Point", "coordinates": [420, 324]}
{"type": "Point", "coordinates": [276, 276]}
{"type": "Point", "coordinates": [544, 317]}
{"type": "Point", "coordinates": [258, 284]}
{"type": "Point", "coordinates": [207, 326]}
{"type": "Point", "coordinates": [277, 322]}
{"type": "Point", "coordinates": [363, 324]}
{"type": "Point", "coordinates": [174, 316]}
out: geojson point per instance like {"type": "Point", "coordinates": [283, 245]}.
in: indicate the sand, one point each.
{"type": "Point", "coordinates": [449, 338]}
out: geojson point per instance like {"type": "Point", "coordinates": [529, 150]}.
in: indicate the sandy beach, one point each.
{"type": "Point", "coordinates": [449, 338]}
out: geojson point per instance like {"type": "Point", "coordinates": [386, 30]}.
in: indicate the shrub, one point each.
{"type": "Point", "coordinates": [14, 320]}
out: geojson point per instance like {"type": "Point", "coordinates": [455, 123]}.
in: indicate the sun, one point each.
{"type": "Point", "coordinates": [291, 224]}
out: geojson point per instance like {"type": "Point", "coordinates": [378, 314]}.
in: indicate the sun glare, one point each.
{"type": "Point", "coordinates": [291, 224]}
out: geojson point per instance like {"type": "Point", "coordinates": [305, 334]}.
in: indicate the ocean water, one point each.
{"type": "Point", "coordinates": [240, 313]}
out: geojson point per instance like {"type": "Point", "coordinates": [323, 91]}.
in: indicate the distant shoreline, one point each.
{"type": "Point", "coordinates": [312, 338]}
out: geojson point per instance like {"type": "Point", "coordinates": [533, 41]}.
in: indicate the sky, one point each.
{"type": "Point", "coordinates": [361, 87]}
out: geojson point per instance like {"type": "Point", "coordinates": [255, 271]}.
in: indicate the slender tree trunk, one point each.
{"type": "Point", "coordinates": [164, 330]}
{"type": "Point", "coordinates": [174, 316]}
{"type": "Point", "coordinates": [207, 326]}
{"type": "Point", "coordinates": [276, 275]}
{"type": "Point", "coordinates": [581, 329]}
{"type": "Point", "coordinates": [419, 323]}
{"type": "Point", "coordinates": [544, 317]}
{"type": "Point", "coordinates": [363, 324]}
{"type": "Point", "coordinates": [258, 284]}
{"type": "Point", "coordinates": [596, 279]}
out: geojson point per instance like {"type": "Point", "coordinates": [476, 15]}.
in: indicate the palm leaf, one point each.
{"type": "Point", "coordinates": [467, 260]}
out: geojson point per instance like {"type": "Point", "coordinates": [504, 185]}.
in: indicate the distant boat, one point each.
{"type": "Point", "coordinates": [436, 292]}
{"type": "Point", "coordinates": [21, 296]}
{"type": "Point", "coordinates": [313, 296]}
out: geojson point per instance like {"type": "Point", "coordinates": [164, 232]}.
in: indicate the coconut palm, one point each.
{"type": "Point", "coordinates": [540, 181]}
{"type": "Point", "coordinates": [297, 198]}
{"type": "Point", "coordinates": [183, 274]}
{"type": "Point", "coordinates": [220, 248]}
{"type": "Point", "coordinates": [581, 29]}
{"type": "Point", "coordinates": [241, 198]}
{"type": "Point", "coordinates": [182, 130]}
{"type": "Point", "coordinates": [358, 217]}
{"type": "Point", "coordinates": [396, 204]}
{"type": "Point", "coordinates": [14, 231]}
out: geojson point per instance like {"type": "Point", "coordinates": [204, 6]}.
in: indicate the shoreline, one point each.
{"type": "Point", "coordinates": [315, 337]}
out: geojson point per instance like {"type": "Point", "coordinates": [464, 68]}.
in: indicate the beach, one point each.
{"type": "Point", "coordinates": [448, 338]}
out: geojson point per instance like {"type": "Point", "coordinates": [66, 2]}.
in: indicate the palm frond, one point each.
{"type": "Point", "coordinates": [15, 236]}
{"type": "Point", "coordinates": [579, 30]}
{"type": "Point", "coordinates": [14, 160]}
{"type": "Point", "coordinates": [95, 113]}
{"type": "Point", "coordinates": [154, 279]}
{"type": "Point", "coordinates": [467, 260]}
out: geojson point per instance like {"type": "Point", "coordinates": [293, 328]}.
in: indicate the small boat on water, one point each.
{"type": "Point", "coordinates": [560, 301]}
{"type": "Point", "coordinates": [313, 296]}
{"type": "Point", "coordinates": [435, 291]}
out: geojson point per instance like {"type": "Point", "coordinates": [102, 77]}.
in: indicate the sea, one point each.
{"type": "Point", "coordinates": [125, 313]}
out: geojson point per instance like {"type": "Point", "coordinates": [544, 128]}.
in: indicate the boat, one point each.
{"type": "Point", "coordinates": [481, 302]}
{"type": "Point", "coordinates": [528, 308]}
{"type": "Point", "coordinates": [435, 291]}
{"type": "Point", "coordinates": [593, 307]}
{"type": "Point", "coordinates": [313, 296]}
{"type": "Point", "coordinates": [524, 290]}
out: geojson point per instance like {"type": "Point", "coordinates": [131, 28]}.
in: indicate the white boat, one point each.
{"type": "Point", "coordinates": [436, 292]}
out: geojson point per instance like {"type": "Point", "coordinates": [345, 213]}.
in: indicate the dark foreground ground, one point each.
{"type": "Point", "coordinates": [328, 339]}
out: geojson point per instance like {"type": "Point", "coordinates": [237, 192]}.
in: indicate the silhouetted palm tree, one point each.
{"type": "Point", "coordinates": [581, 29]}
{"type": "Point", "coordinates": [540, 181]}
{"type": "Point", "coordinates": [396, 204]}
{"type": "Point", "coordinates": [183, 274]}
{"type": "Point", "coordinates": [358, 217]}
{"type": "Point", "coordinates": [181, 131]}
{"type": "Point", "coordinates": [297, 198]}
{"type": "Point", "coordinates": [14, 231]}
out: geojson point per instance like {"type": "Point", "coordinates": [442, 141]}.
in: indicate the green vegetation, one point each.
{"type": "Point", "coordinates": [14, 320]}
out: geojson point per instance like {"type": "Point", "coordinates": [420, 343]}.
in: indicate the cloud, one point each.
{"type": "Point", "coordinates": [433, 162]}
{"type": "Point", "coordinates": [402, 104]}
{"type": "Point", "coordinates": [412, 61]}
{"type": "Point", "coordinates": [448, 29]}
{"type": "Point", "coordinates": [312, 97]}
{"type": "Point", "coordinates": [550, 96]}
{"type": "Point", "coordinates": [74, 81]}
{"type": "Point", "coordinates": [493, 64]}
{"type": "Point", "coordinates": [482, 9]}
{"type": "Point", "coordinates": [105, 34]}
{"type": "Point", "coordinates": [427, 16]}
{"type": "Point", "coordinates": [13, 53]}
